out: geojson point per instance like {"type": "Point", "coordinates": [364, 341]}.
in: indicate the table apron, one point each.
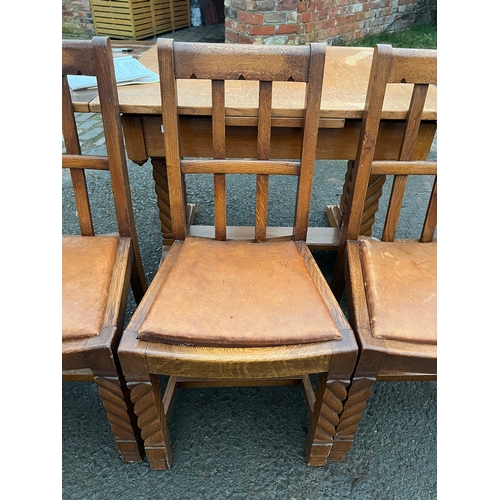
{"type": "Point", "coordinates": [144, 139]}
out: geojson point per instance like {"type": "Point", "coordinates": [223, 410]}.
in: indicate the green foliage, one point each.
{"type": "Point", "coordinates": [418, 36]}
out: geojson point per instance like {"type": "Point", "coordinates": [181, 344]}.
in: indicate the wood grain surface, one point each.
{"type": "Point", "coordinates": [344, 88]}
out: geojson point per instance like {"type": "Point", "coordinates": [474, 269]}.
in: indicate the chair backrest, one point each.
{"type": "Point", "coordinates": [414, 67]}
{"type": "Point", "coordinates": [95, 58]}
{"type": "Point", "coordinates": [220, 62]}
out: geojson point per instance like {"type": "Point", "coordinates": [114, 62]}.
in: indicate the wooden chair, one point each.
{"type": "Point", "coordinates": [230, 312]}
{"type": "Point", "coordinates": [390, 284]}
{"type": "Point", "coordinates": [97, 271]}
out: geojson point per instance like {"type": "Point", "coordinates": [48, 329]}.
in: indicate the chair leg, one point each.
{"type": "Point", "coordinates": [357, 395]}
{"type": "Point", "coordinates": [116, 401]}
{"type": "Point", "coordinates": [327, 408]}
{"type": "Point", "coordinates": [148, 406]}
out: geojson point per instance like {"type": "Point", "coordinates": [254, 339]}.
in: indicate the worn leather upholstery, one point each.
{"type": "Point", "coordinates": [87, 266]}
{"type": "Point", "coordinates": [238, 294]}
{"type": "Point", "coordinates": [401, 289]}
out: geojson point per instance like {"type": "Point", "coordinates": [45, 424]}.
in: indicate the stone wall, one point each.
{"type": "Point", "coordinates": [77, 19]}
{"type": "Point", "coordinates": [334, 21]}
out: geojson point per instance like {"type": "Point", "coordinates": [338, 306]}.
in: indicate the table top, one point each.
{"type": "Point", "coordinates": [344, 87]}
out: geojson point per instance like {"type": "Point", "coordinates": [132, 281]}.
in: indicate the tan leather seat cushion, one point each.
{"type": "Point", "coordinates": [238, 293]}
{"type": "Point", "coordinates": [401, 289]}
{"type": "Point", "coordinates": [87, 266]}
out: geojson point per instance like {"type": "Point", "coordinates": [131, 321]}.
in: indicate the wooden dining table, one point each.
{"type": "Point", "coordinates": [344, 87]}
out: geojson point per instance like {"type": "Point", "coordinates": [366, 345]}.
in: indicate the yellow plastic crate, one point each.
{"type": "Point", "coordinates": [139, 19]}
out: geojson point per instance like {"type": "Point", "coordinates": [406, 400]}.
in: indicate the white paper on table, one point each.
{"type": "Point", "coordinates": [128, 71]}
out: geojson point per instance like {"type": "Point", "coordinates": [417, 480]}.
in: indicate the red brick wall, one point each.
{"type": "Point", "coordinates": [334, 21]}
{"type": "Point", "coordinates": [77, 19]}
{"type": "Point", "coordinates": [289, 21]}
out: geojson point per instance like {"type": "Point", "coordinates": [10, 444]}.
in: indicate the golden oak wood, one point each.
{"type": "Point", "coordinates": [93, 355]}
{"type": "Point", "coordinates": [405, 346]}
{"type": "Point", "coordinates": [344, 88]}
{"type": "Point", "coordinates": [224, 359]}
{"type": "Point", "coordinates": [333, 143]}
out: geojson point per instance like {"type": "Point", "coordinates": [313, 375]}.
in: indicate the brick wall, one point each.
{"type": "Point", "coordinates": [77, 19]}
{"type": "Point", "coordinates": [289, 21]}
{"type": "Point", "coordinates": [334, 21]}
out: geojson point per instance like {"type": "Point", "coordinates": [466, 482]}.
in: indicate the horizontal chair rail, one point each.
{"type": "Point", "coordinates": [242, 167]}
{"type": "Point", "coordinates": [240, 363]}
{"type": "Point", "coordinates": [317, 237]}
{"type": "Point", "coordinates": [405, 64]}
{"type": "Point", "coordinates": [77, 58]}
{"type": "Point", "coordinates": [242, 62]}
{"type": "Point", "coordinates": [91, 162]}
{"type": "Point", "coordinates": [404, 168]}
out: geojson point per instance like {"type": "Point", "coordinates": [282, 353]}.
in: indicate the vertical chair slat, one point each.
{"type": "Point", "coordinates": [219, 153]}
{"type": "Point", "coordinates": [395, 204]}
{"type": "Point", "coordinates": [220, 206]}
{"type": "Point", "coordinates": [82, 202]}
{"type": "Point", "coordinates": [413, 119]}
{"type": "Point", "coordinates": [309, 141]}
{"type": "Point", "coordinates": [263, 152]}
{"type": "Point", "coordinates": [69, 129]}
{"type": "Point", "coordinates": [261, 202]}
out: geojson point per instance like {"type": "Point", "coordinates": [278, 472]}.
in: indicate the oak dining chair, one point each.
{"type": "Point", "coordinates": [391, 284]}
{"type": "Point", "coordinates": [226, 312]}
{"type": "Point", "coordinates": [99, 270]}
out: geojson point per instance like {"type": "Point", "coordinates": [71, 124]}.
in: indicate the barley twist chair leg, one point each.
{"type": "Point", "coordinates": [163, 199]}
{"type": "Point", "coordinates": [325, 418]}
{"type": "Point", "coordinates": [357, 395]}
{"type": "Point", "coordinates": [116, 401]}
{"type": "Point", "coordinates": [148, 406]}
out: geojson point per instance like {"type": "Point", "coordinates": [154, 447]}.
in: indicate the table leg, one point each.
{"type": "Point", "coordinates": [133, 135]}
{"type": "Point", "coordinates": [336, 213]}
{"type": "Point", "coordinates": [163, 201]}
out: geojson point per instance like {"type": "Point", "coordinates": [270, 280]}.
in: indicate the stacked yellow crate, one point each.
{"type": "Point", "coordinates": [138, 19]}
